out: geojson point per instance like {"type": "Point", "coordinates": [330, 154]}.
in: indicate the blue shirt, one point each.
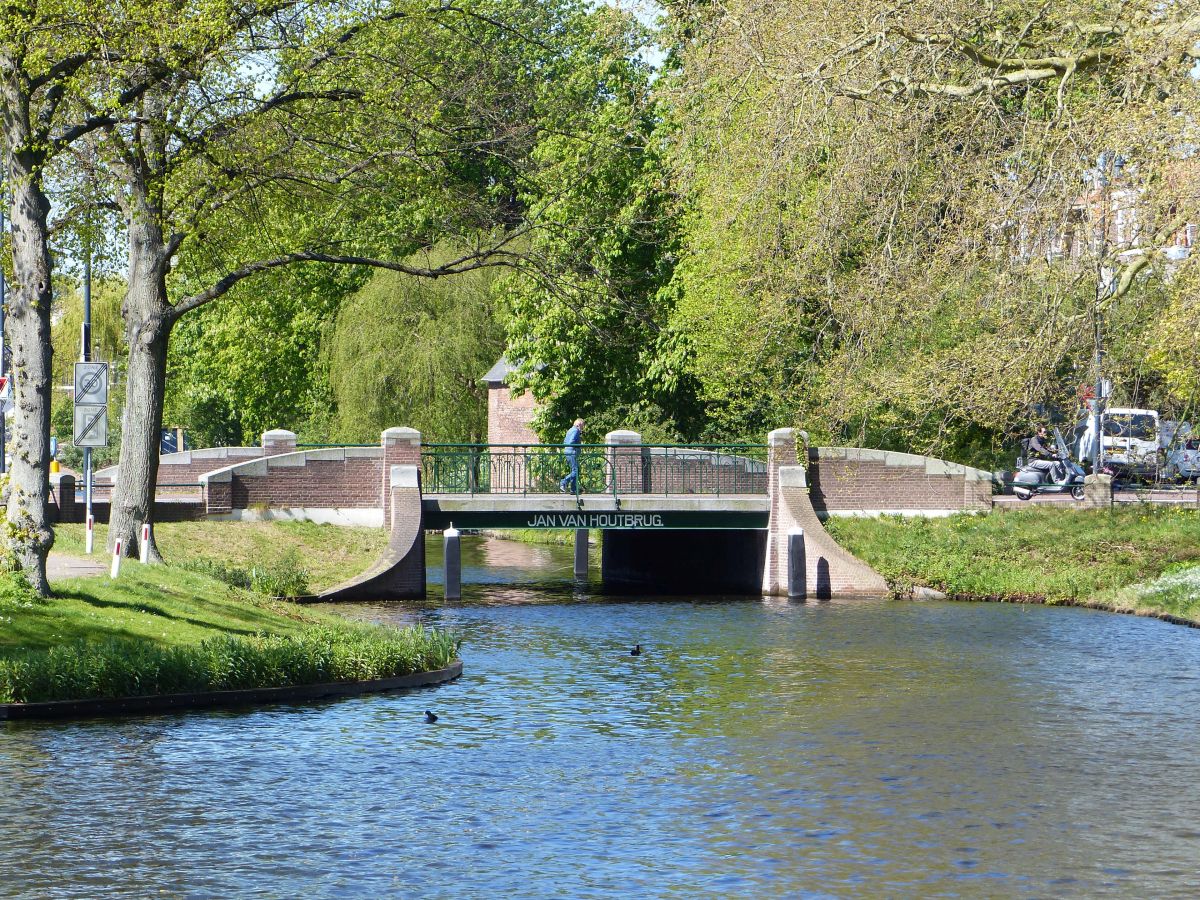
{"type": "Point", "coordinates": [573, 439]}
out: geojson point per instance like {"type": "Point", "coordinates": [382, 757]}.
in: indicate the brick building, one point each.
{"type": "Point", "coordinates": [509, 417]}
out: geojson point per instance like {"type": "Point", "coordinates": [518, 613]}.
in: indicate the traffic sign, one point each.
{"type": "Point", "coordinates": [91, 383]}
{"type": "Point", "coordinates": [91, 425]}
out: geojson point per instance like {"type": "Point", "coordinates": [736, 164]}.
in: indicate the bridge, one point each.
{"type": "Point", "coordinates": [712, 518]}
{"type": "Point", "coordinates": [623, 484]}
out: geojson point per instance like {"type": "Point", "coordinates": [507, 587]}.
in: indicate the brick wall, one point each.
{"type": "Point", "coordinates": [179, 473]}
{"type": "Point", "coordinates": [400, 447]}
{"type": "Point", "coordinates": [849, 479]}
{"type": "Point", "coordinates": [65, 506]}
{"type": "Point", "coordinates": [509, 416]}
{"type": "Point", "coordinates": [335, 478]}
{"type": "Point", "coordinates": [185, 468]}
{"type": "Point", "coordinates": [829, 569]}
{"type": "Point", "coordinates": [400, 570]}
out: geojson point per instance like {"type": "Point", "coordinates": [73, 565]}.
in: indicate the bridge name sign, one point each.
{"type": "Point", "coordinates": [596, 520]}
{"type": "Point", "coordinates": [436, 517]}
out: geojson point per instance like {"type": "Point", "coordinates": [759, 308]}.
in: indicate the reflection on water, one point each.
{"type": "Point", "coordinates": [754, 749]}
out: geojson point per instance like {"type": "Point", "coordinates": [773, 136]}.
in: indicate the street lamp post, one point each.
{"type": "Point", "coordinates": [85, 354]}
{"type": "Point", "coordinates": [1102, 164]}
{"type": "Point", "coordinates": [3, 300]}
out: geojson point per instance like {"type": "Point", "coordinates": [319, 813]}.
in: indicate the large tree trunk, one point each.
{"type": "Point", "coordinates": [148, 324]}
{"type": "Point", "coordinates": [27, 329]}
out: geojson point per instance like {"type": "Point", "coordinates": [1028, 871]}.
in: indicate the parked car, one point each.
{"type": "Point", "coordinates": [1130, 441]}
{"type": "Point", "coordinates": [1184, 461]}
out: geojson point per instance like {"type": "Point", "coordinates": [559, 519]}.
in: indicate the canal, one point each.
{"type": "Point", "coordinates": [754, 749]}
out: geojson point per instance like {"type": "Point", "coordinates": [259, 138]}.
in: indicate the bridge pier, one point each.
{"type": "Point", "coordinates": [581, 553]}
{"type": "Point", "coordinates": [828, 569]}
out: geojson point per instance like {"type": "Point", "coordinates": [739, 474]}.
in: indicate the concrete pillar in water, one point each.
{"type": "Point", "coordinates": [581, 552]}
{"type": "Point", "coordinates": [452, 558]}
{"type": "Point", "coordinates": [797, 586]}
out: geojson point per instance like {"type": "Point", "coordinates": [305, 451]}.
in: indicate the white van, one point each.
{"type": "Point", "coordinates": [1130, 444]}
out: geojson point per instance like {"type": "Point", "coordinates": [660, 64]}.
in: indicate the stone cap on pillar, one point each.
{"type": "Point", "coordinates": [393, 436]}
{"type": "Point", "coordinates": [781, 447]}
{"type": "Point", "coordinates": [781, 436]}
{"type": "Point", "coordinates": [622, 437]}
{"type": "Point", "coordinates": [279, 440]}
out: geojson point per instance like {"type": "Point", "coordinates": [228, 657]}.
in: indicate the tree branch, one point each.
{"type": "Point", "coordinates": [489, 258]}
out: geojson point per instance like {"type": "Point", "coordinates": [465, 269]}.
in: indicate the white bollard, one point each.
{"type": "Point", "coordinates": [144, 550]}
{"type": "Point", "coordinates": [452, 561]}
{"type": "Point", "coordinates": [116, 566]}
{"type": "Point", "coordinates": [89, 538]}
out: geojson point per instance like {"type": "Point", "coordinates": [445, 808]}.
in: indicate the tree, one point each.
{"type": "Point", "coordinates": [376, 135]}
{"type": "Point", "coordinates": [411, 351]}
{"type": "Point", "coordinates": [46, 59]}
{"type": "Point", "coordinates": [255, 362]}
{"type": "Point", "coordinates": [591, 327]}
{"type": "Point", "coordinates": [896, 230]}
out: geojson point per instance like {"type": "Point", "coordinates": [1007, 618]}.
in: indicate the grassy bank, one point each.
{"type": "Point", "coordinates": [328, 554]}
{"type": "Point", "coordinates": [1135, 557]}
{"type": "Point", "coordinates": [560, 537]}
{"type": "Point", "coordinates": [189, 627]}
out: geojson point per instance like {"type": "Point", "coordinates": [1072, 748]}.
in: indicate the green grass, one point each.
{"type": "Point", "coordinates": [1051, 555]}
{"type": "Point", "coordinates": [329, 554]}
{"type": "Point", "coordinates": [1176, 594]}
{"type": "Point", "coordinates": [157, 604]}
{"type": "Point", "coordinates": [138, 668]}
{"type": "Point", "coordinates": [564, 537]}
{"type": "Point", "coordinates": [169, 628]}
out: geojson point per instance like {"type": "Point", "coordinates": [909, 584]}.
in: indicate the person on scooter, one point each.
{"type": "Point", "coordinates": [1040, 445]}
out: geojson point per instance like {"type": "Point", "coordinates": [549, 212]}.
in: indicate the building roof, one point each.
{"type": "Point", "coordinates": [498, 374]}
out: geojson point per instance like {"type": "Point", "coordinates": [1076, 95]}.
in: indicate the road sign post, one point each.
{"type": "Point", "coordinates": [91, 415]}
{"type": "Point", "coordinates": [91, 383]}
{"type": "Point", "coordinates": [91, 425]}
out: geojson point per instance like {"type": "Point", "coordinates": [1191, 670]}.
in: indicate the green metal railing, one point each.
{"type": "Point", "coordinates": [617, 469]}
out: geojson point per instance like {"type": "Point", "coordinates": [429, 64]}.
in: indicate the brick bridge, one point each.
{"type": "Point", "coordinates": [712, 518]}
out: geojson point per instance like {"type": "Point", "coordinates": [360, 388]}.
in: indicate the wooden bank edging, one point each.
{"type": "Point", "coordinates": [106, 706]}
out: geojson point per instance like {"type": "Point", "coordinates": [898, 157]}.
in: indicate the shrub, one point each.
{"type": "Point", "coordinates": [282, 577]}
{"type": "Point", "coordinates": [231, 575]}
{"type": "Point", "coordinates": [15, 592]}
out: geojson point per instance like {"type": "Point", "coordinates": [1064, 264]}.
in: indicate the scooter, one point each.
{"type": "Point", "coordinates": [1050, 476]}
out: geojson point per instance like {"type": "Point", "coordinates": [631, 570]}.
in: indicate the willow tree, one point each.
{"type": "Point", "coordinates": [901, 219]}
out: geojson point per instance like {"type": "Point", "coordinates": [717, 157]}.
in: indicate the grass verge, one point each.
{"type": "Point", "coordinates": [564, 537]}
{"type": "Point", "coordinates": [167, 629]}
{"type": "Point", "coordinates": [328, 554]}
{"type": "Point", "coordinates": [1134, 557]}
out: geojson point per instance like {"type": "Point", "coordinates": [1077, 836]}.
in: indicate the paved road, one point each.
{"type": "Point", "coordinates": [1174, 497]}
{"type": "Point", "coordinates": [61, 565]}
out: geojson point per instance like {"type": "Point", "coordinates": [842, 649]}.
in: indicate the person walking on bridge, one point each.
{"type": "Point", "coordinates": [570, 482]}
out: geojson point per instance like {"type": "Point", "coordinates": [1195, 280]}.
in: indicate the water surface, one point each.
{"type": "Point", "coordinates": [756, 748]}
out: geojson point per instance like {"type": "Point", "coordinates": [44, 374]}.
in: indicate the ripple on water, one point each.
{"type": "Point", "coordinates": [753, 749]}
